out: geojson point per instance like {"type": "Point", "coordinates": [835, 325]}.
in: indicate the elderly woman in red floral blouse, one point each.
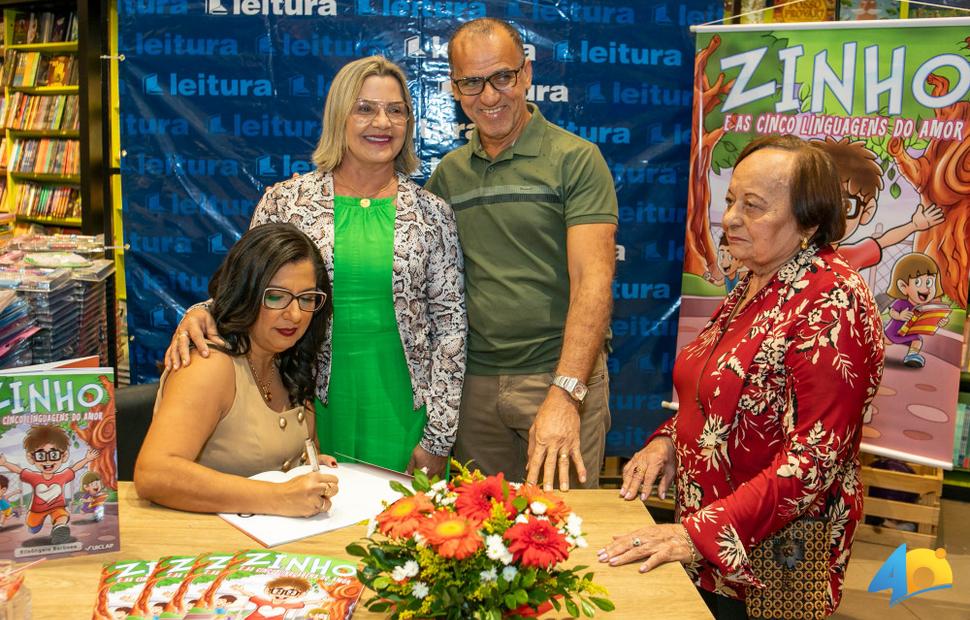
{"type": "Point", "coordinates": [772, 392]}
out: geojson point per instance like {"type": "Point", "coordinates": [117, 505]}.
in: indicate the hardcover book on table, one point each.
{"type": "Point", "coordinates": [58, 478]}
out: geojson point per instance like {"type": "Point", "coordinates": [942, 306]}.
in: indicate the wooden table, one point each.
{"type": "Point", "coordinates": [65, 589]}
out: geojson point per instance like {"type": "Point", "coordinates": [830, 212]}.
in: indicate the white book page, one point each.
{"type": "Point", "coordinates": [363, 488]}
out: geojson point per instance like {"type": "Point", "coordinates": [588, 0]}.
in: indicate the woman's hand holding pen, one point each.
{"type": "Point", "coordinates": [307, 495]}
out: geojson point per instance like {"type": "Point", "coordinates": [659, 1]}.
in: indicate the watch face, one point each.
{"type": "Point", "coordinates": [579, 392]}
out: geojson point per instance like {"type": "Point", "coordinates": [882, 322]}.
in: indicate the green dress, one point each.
{"type": "Point", "coordinates": [370, 412]}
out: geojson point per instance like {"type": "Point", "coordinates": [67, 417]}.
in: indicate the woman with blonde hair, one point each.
{"type": "Point", "coordinates": [391, 374]}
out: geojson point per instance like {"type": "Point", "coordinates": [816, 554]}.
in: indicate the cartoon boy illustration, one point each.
{"type": "Point", "coordinates": [283, 594]}
{"type": "Point", "coordinates": [225, 607]}
{"type": "Point", "coordinates": [915, 282]}
{"type": "Point", "coordinates": [120, 613]}
{"type": "Point", "coordinates": [47, 450]}
{"type": "Point", "coordinates": [729, 268]}
{"type": "Point", "coordinates": [6, 509]}
{"type": "Point", "coordinates": [94, 497]}
{"type": "Point", "coordinates": [862, 182]}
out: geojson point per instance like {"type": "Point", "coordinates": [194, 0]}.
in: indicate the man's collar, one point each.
{"type": "Point", "coordinates": [528, 144]}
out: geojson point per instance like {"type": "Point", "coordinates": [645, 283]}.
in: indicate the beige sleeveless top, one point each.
{"type": "Point", "coordinates": [249, 440]}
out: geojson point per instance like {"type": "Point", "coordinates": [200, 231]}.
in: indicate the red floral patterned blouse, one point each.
{"type": "Point", "coordinates": [770, 417]}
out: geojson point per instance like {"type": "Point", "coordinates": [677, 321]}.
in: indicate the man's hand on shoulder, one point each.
{"type": "Point", "coordinates": [554, 442]}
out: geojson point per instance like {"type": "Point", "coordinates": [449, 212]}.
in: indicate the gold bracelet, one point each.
{"type": "Point", "coordinates": [694, 555]}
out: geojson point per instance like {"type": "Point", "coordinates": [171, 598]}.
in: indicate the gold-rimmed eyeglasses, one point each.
{"type": "Point", "coordinates": [396, 111]}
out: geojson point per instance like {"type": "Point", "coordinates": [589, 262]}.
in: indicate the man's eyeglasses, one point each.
{"type": "Point", "coordinates": [397, 111]}
{"type": "Point", "coordinates": [280, 298]}
{"type": "Point", "coordinates": [42, 456]}
{"type": "Point", "coordinates": [500, 81]}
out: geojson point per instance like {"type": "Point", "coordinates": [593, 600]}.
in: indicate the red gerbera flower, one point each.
{"type": "Point", "coordinates": [556, 509]}
{"type": "Point", "coordinates": [536, 543]}
{"type": "Point", "coordinates": [475, 498]}
{"type": "Point", "coordinates": [451, 535]}
{"type": "Point", "coordinates": [402, 518]}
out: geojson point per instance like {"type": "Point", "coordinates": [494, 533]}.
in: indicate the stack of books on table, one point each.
{"type": "Point", "coordinates": [229, 586]}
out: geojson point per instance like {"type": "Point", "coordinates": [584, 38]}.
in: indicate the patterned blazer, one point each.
{"type": "Point", "coordinates": [427, 285]}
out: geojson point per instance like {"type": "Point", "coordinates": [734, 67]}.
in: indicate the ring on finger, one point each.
{"type": "Point", "coordinates": [637, 542]}
{"type": "Point", "coordinates": [563, 457]}
{"type": "Point", "coordinates": [183, 333]}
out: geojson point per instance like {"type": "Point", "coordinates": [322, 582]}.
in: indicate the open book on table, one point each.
{"type": "Point", "coordinates": [926, 319]}
{"type": "Point", "coordinates": [363, 489]}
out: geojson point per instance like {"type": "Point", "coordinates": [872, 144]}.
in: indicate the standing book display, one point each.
{"type": "Point", "coordinates": [58, 480]}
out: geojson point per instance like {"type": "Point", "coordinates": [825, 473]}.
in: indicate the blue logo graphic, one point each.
{"type": "Point", "coordinates": [214, 124]}
{"type": "Point", "coordinates": [910, 573]}
{"type": "Point", "coordinates": [264, 166]}
{"type": "Point", "coordinates": [298, 86]}
{"type": "Point", "coordinates": [216, 245]}
{"type": "Point", "coordinates": [562, 53]}
{"type": "Point", "coordinates": [594, 93]}
{"type": "Point", "coordinates": [157, 317]}
{"type": "Point", "coordinates": [215, 7]}
{"type": "Point", "coordinates": [150, 85]}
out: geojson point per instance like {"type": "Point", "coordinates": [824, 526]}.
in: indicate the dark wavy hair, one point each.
{"type": "Point", "coordinates": [815, 188]}
{"type": "Point", "coordinates": [237, 288]}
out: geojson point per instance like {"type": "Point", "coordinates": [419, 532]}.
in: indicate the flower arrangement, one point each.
{"type": "Point", "coordinates": [478, 548]}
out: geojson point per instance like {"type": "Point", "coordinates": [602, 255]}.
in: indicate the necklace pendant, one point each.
{"type": "Point", "coordinates": [282, 423]}
{"type": "Point", "coordinates": [365, 202]}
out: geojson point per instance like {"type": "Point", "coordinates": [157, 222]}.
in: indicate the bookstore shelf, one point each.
{"type": "Point", "coordinates": [71, 222]}
{"type": "Point", "coordinates": [64, 46]}
{"type": "Point", "coordinates": [61, 179]}
{"type": "Point", "coordinates": [45, 133]}
{"type": "Point", "coordinates": [45, 90]}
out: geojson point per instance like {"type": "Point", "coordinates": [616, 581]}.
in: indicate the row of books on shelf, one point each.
{"type": "Point", "coordinates": [43, 27]}
{"type": "Point", "coordinates": [45, 156]}
{"type": "Point", "coordinates": [44, 200]}
{"type": "Point", "coordinates": [25, 111]}
{"type": "Point", "coordinates": [31, 69]}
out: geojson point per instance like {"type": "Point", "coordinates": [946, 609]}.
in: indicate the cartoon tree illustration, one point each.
{"type": "Point", "coordinates": [101, 434]}
{"type": "Point", "coordinates": [941, 175]}
{"type": "Point", "coordinates": [207, 600]}
{"type": "Point", "coordinates": [699, 250]}
{"type": "Point", "coordinates": [101, 611]}
{"type": "Point", "coordinates": [177, 604]}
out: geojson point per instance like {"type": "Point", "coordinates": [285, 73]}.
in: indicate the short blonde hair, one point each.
{"type": "Point", "coordinates": [340, 100]}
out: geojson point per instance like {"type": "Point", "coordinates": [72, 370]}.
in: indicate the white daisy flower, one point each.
{"type": "Point", "coordinates": [488, 575]}
{"type": "Point", "coordinates": [537, 508]}
{"type": "Point", "coordinates": [419, 589]}
{"type": "Point", "coordinates": [509, 572]}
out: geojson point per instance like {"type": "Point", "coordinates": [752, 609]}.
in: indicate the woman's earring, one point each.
{"type": "Point", "coordinates": [804, 243]}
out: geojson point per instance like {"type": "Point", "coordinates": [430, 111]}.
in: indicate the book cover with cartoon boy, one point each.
{"type": "Point", "coordinates": [58, 477]}
{"type": "Point", "coordinates": [199, 590]}
{"type": "Point", "coordinates": [273, 585]}
{"type": "Point", "coordinates": [120, 587]}
{"type": "Point", "coordinates": [162, 593]}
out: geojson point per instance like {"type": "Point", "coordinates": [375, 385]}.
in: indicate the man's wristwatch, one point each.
{"type": "Point", "coordinates": [576, 389]}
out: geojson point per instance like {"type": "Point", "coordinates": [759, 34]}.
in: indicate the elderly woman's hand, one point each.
{"type": "Point", "coordinates": [659, 458]}
{"type": "Point", "coordinates": [196, 326]}
{"type": "Point", "coordinates": [654, 545]}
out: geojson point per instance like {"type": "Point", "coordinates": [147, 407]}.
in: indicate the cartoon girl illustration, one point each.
{"type": "Point", "coordinates": [915, 284]}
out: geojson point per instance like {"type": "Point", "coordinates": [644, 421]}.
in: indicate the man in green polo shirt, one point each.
{"type": "Point", "coordinates": [537, 213]}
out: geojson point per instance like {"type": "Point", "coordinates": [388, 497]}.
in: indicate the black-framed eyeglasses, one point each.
{"type": "Point", "coordinates": [500, 81]}
{"type": "Point", "coordinates": [281, 591]}
{"type": "Point", "coordinates": [280, 298]}
{"type": "Point", "coordinates": [396, 111]}
{"type": "Point", "coordinates": [853, 207]}
{"type": "Point", "coordinates": [43, 456]}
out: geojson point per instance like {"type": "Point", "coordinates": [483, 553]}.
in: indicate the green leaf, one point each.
{"type": "Point", "coordinates": [379, 606]}
{"type": "Point", "coordinates": [576, 569]}
{"type": "Point", "coordinates": [400, 488]}
{"type": "Point", "coordinates": [520, 503]}
{"type": "Point", "coordinates": [555, 604]}
{"type": "Point", "coordinates": [603, 603]}
{"type": "Point", "coordinates": [572, 608]}
{"type": "Point", "coordinates": [421, 482]}
{"type": "Point", "coordinates": [521, 597]}
{"type": "Point", "coordinates": [381, 582]}
{"type": "Point", "coordinates": [528, 578]}
{"type": "Point", "coordinates": [894, 190]}
{"type": "Point", "coordinates": [588, 609]}
{"type": "Point", "coordinates": [891, 173]}
{"type": "Point", "coordinates": [357, 550]}
{"type": "Point", "coordinates": [510, 601]}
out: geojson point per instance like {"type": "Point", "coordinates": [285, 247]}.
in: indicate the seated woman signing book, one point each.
{"type": "Point", "coordinates": [241, 410]}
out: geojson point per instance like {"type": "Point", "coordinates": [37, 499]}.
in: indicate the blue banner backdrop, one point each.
{"type": "Point", "coordinates": [220, 98]}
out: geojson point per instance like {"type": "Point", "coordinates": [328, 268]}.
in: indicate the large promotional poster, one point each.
{"type": "Point", "coordinates": [221, 98]}
{"type": "Point", "coordinates": [888, 101]}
